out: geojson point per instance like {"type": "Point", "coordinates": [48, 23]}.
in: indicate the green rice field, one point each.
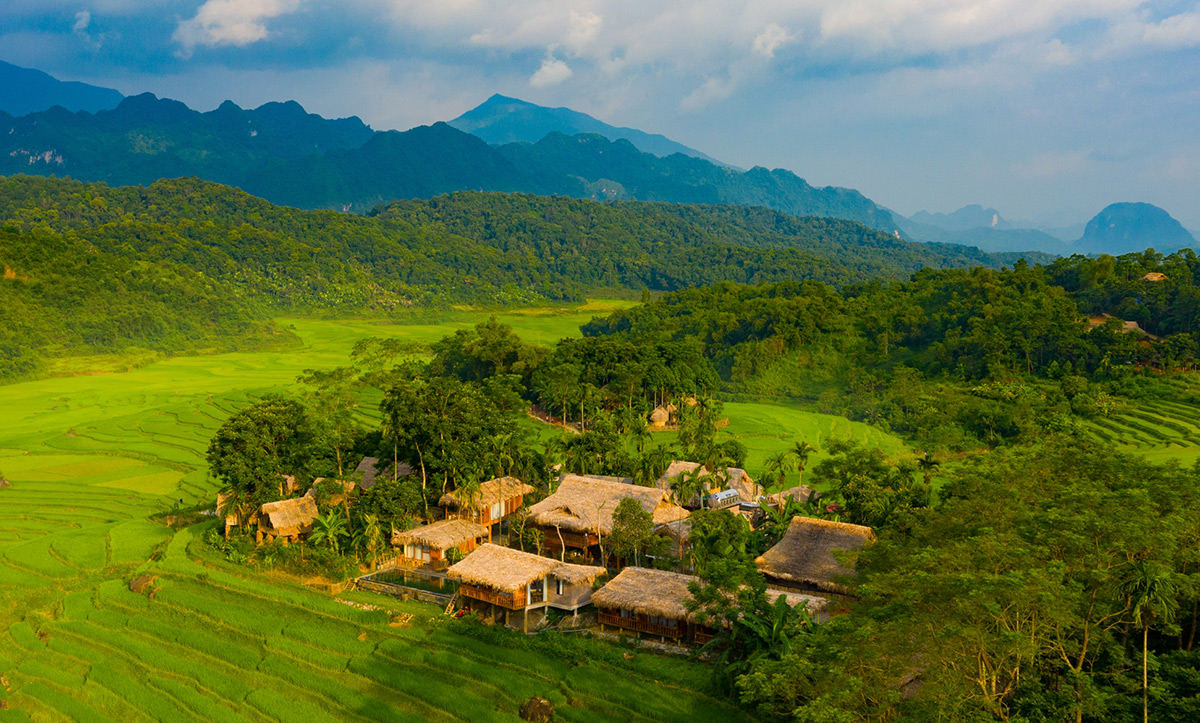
{"type": "Point", "coordinates": [91, 458]}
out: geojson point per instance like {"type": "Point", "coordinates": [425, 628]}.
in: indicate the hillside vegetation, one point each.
{"type": "Point", "coordinates": [187, 265]}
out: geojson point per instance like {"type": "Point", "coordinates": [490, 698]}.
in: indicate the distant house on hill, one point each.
{"type": "Point", "coordinates": [498, 498]}
{"type": "Point", "coordinates": [660, 418]}
{"type": "Point", "coordinates": [641, 600]}
{"type": "Point", "coordinates": [288, 519]}
{"type": "Point", "coordinates": [804, 558]}
{"type": "Point", "coordinates": [580, 512]}
{"type": "Point", "coordinates": [1155, 276]}
{"type": "Point", "coordinates": [499, 579]}
{"type": "Point", "coordinates": [430, 544]}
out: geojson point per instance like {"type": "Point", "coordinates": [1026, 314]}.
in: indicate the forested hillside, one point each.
{"type": "Point", "coordinates": [954, 357]}
{"type": "Point", "coordinates": [246, 257]}
{"type": "Point", "coordinates": [61, 295]}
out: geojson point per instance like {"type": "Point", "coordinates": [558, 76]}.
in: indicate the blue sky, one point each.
{"type": "Point", "coordinates": [1045, 109]}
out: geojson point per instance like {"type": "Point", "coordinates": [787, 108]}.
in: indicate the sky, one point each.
{"type": "Point", "coordinates": [1047, 110]}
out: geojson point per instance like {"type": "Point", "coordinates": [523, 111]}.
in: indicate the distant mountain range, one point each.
{"type": "Point", "coordinates": [499, 120]}
{"type": "Point", "coordinates": [24, 91]}
{"type": "Point", "coordinates": [1119, 228]}
{"type": "Point", "coordinates": [287, 156]}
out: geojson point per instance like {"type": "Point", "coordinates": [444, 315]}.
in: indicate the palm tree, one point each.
{"type": "Point", "coordinates": [372, 535]}
{"type": "Point", "coordinates": [802, 450]}
{"type": "Point", "coordinates": [928, 464]}
{"type": "Point", "coordinates": [329, 529]}
{"type": "Point", "coordinates": [776, 468]}
{"type": "Point", "coordinates": [1153, 596]}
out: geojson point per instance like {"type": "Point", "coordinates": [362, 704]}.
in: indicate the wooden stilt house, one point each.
{"type": "Point", "coordinates": [498, 498]}
{"type": "Point", "coordinates": [501, 580]}
{"type": "Point", "coordinates": [804, 559]}
{"type": "Point", "coordinates": [429, 545]}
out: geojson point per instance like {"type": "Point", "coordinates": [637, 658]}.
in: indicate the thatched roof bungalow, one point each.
{"type": "Point", "coordinates": [642, 600]}
{"type": "Point", "coordinates": [498, 498]}
{"type": "Point", "coordinates": [516, 580]}
{"type": "Point", "coordinates": [580, 512]}
{"type": "Point", "coordinates": [804, 558]}
{"type": "Point", "coordinates": [288, 519]}
{"type": "Point", "coordinates": [430, 544]}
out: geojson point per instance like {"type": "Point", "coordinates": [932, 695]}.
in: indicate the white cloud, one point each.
{"type": "Point", "coordinates": [1177, 31]}
{"type": "Point", "coordinates": [552, 72]}
{"type": "Point", "coordinates": [229, 22]}
{"type": "Point", "coordinates": [771, 39]}
{"type": "Point", "coordinates": [82, 19]}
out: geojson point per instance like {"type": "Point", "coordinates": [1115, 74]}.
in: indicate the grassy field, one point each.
{"type": "Point", "coordinates": [90, 458]}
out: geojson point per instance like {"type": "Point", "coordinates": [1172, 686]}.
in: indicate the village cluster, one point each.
{"type": "Point", "coordinates": [467, 550]}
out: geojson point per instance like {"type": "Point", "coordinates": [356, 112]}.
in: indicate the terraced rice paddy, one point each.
{"type": "Point", "coordinates": [91, 458]}
{"type": "Point", "coordinates": [1160, 430]}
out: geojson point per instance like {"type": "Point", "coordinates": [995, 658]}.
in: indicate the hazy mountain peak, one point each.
{"type": "Point", "coordinates": [501, 119]}
{"type": "Point", "coordinates": [25, 90]}
{"type": "Point", "coordinates": [1128, 227]}
{"type": "Point", "coordinates": [968, 217]}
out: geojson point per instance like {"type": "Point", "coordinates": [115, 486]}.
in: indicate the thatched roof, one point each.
{"type": "Point", "coordinates": [587, 505]}
{"type": "Point", "coordinates": [372, 472]}
{"type": "Point", "coordinates": [441, 535]}
{"type": "Point", "coordinates": [490, 492]}
{"type": "Point", "coordinates": [739, 479]}
{"type": "Point", "coordinates": [658, 592]}
{"type": "Point", "coordinates": [4, 484]}
{"type": "Point", "coordinates": [800, 494]}
{"type": "Point", "coordinates": [660, 416]}
{"type": "Point", "coordinates": [297, 512]}
{"type": "Point", "coordinates": [601, 477]}
{"type": "Point", "coordinates": [336, 498]}
{"type": "Point", "coordinates": [732, 478]}
{"type": "Point", "coordinates": [814, 604]}
{"type": "Point", "coordinates": [805, 554]}
{"type": "Point", "coordinates": [508, 570]}
{"type": "Point", "coordinates": [648, 592]}
{"type": "Point", "coordinates": [1155, 276]}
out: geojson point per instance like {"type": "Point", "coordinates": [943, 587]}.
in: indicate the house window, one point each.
{"type": "Point", "coordinates": [626, 613]}
{"type": "Point", "coordinates": [558, 587]}
{"type": "Point", "coordinates": [496, 511]}
{"type": "Point", "coordinates": [425, 553]}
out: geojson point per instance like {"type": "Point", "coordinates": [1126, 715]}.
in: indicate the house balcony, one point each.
{"type": "Point", "coordinates": [640, 624]}
{"type": "Point", "coordinates": [483, 594]}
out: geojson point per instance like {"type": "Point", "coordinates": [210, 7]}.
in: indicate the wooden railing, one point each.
{"type": "Point", "coordinates": [550, 538]}
{"type": "Point", "coordinates": [641, 624]}
{"type": "Point", "coordinates": [503, 599]}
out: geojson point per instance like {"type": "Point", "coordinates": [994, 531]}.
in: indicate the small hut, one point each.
{"type": "Point", "coordinates": [804, 558]}
{"type": "Point", "coordinates": [225, 510]}
{"type": "Point", "coordinates": [497, 499]}
{"type": "Point", "coordinates": [499, 578]}
{"type": "Point", "coordinates": [288, 519]}
{"type": "Point", "coordinates": [580, 512]}
{"type": "Point", "coordinates": [660, 417]}
{"type": "Point", "coordinates": [641, 600]}
{"type": "Point", "coordinates": [431, 543]}
{"type": "Point", "coordinates": [1155, 276]}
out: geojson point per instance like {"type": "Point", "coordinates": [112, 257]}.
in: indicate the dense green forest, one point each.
{"type": "Point", "coordinates": [952, 357]}
{"type": "Point", "coordinates": [248, 258]}
{"type": "Point", "coordinates": [62, 296]}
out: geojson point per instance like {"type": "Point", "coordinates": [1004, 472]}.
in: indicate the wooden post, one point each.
{"type": "Point", "coordinates": [525, 620]}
